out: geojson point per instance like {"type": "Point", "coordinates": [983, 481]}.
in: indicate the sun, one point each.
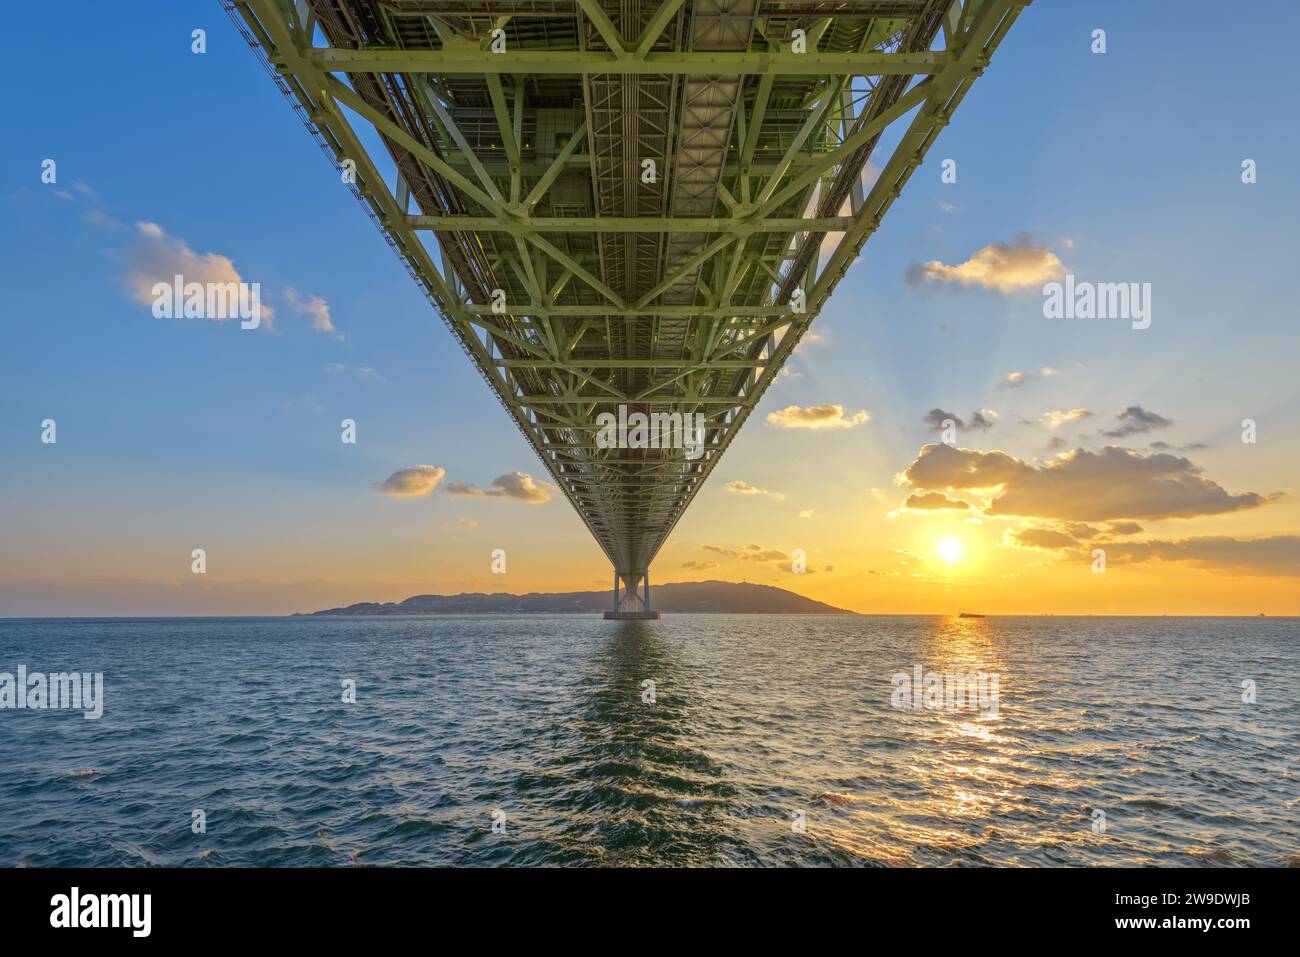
{"type": "Point", "coordinates": [950, 550]}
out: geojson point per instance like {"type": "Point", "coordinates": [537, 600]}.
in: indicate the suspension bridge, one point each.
{"type": "Point", "coordinates": [626, 207]}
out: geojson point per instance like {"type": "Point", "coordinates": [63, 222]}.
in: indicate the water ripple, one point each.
{"type": "Point", "coordinates": [770, 741]}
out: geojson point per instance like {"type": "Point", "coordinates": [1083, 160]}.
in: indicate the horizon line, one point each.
{"type": "Point", "coordinates": [594, 614]}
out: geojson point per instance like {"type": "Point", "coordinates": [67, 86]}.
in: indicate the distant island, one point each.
{"type": "Point", "coordinates": [680, 598]}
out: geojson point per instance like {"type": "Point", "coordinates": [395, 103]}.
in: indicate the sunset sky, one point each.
{"type": "Point", "coordinates": [1073, 435]}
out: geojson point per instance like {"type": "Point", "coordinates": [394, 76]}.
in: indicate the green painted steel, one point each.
{"type": "Point", "coordinates": [616, 203]}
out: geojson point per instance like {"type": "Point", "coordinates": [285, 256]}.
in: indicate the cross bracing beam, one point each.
{"type": "Point", "coordinates": [578, 286]}
{"type": "Point", "coordinates": [454, 61]}
{"type": "Point", "coordinates": [576, 311]}
{"type": "Point", "coordinates": [733, 225]}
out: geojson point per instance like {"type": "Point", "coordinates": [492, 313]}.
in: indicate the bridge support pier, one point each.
{"type": "Point", "coordinates": [631, 597]}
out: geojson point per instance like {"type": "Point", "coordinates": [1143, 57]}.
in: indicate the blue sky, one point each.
{"type": "Point", "coordinates": [1126, 165]}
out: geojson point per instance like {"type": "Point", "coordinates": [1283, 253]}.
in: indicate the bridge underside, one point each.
{"type": "Point", "coordinates": [626, 206]}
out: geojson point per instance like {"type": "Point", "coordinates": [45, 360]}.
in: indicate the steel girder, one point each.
{"type": "Point", "coordinates": [516, 134]}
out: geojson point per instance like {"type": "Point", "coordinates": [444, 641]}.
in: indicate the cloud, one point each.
{"type": "Point", "coordinates": [826, 416]}
{"type": "Point", "coordinates": [979, 420]}
{"type": "Point", "coordinates": [1057, 418]}
{"type": "Point", "coordinates": [102, 220]}
{"type": "Point", "coordinates": [1044, 538]}
{"type": "Point", "coordinates": [1006, 267]}
{"type": "Point", "coordinates": [699, 566]}
{"type": "Point", "coordinates": [361, 372]}
{"type": "Point", "coordinates": [315, 307]}
{"type": "Point", "coordinates": [1081, 530]}
{"type": "Point", "coordinates": [749, 553]}
{"type": "Point", "coordinates": [741, 487]}
{"type": "Point", "coordinates": [1135, 420]}
{"type": "Point", "coordinates": [1277, 555]}
{"type": "Point", "coordinates": [1085, 486]}
{"type": "Point", "coordinates": [806, 513]}
{"type": "Point", "coordinates": [1166, 447]}
{"type": "Point", "coordinates": [517, 485]}
{"type": "Point", "coordinates": [1015, 380]}
{"type": "Point", "coordinates": [1067, 534]}
{"type": "Point", "coordinates": [418, 480]}
{"type": "Point", "coordinates": [79, 187]}
{"type": "Point", "coordinates": [933, 500]}
{"type": "Point", "coordinates": [940, 466]}
{"type": "Point", "coordinates": [159, 258]}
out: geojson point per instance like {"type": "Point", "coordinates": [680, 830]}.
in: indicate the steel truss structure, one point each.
{"type": "Point", "coordinates": [623, 202]}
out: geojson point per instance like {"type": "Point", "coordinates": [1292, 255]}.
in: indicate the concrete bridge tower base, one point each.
{"type": "Point", "coordinates": [632, 597]}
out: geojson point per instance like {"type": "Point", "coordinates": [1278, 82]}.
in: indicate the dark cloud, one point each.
{"type": "Point", "coordinates": [1047, 538]}
{"type": "Point", "coordinates": [1277, 555]}
{"type": "Point", "coordinates": [1166, 447]}
{"type": "Point", "coordinates": [978, 421]}
{"type": "Point", "coordinates": [1135, 420]}
{"type": "Point", "coordinates": [749, 553]}
{"type": "Point", "coordinates": [933, 500]}
{"type": "Point", "coordinates": [1080, 486]}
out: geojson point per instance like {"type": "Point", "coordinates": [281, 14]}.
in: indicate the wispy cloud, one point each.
{"type": "Point", "coordinates": [316, 308]}
{"type": "Point", "coordinates": [1047, 539]}
{"type": "Point", "coordinates": [1015, 380]}
{"type": "Point", "coordinates": [1275, 555]}
{"type": "Point", "coordinates": [1057, 418]}
{"type": "Point", "coordinates": [741, 487]}
{"type": "Point", "coordinates": [749, 553]}
{"type": "Point", "coordinates": [361, 372]}
{"type": "Point", "coordinates": [826, 416]}
{"type": "Point", "coordinates": [159, 258]}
